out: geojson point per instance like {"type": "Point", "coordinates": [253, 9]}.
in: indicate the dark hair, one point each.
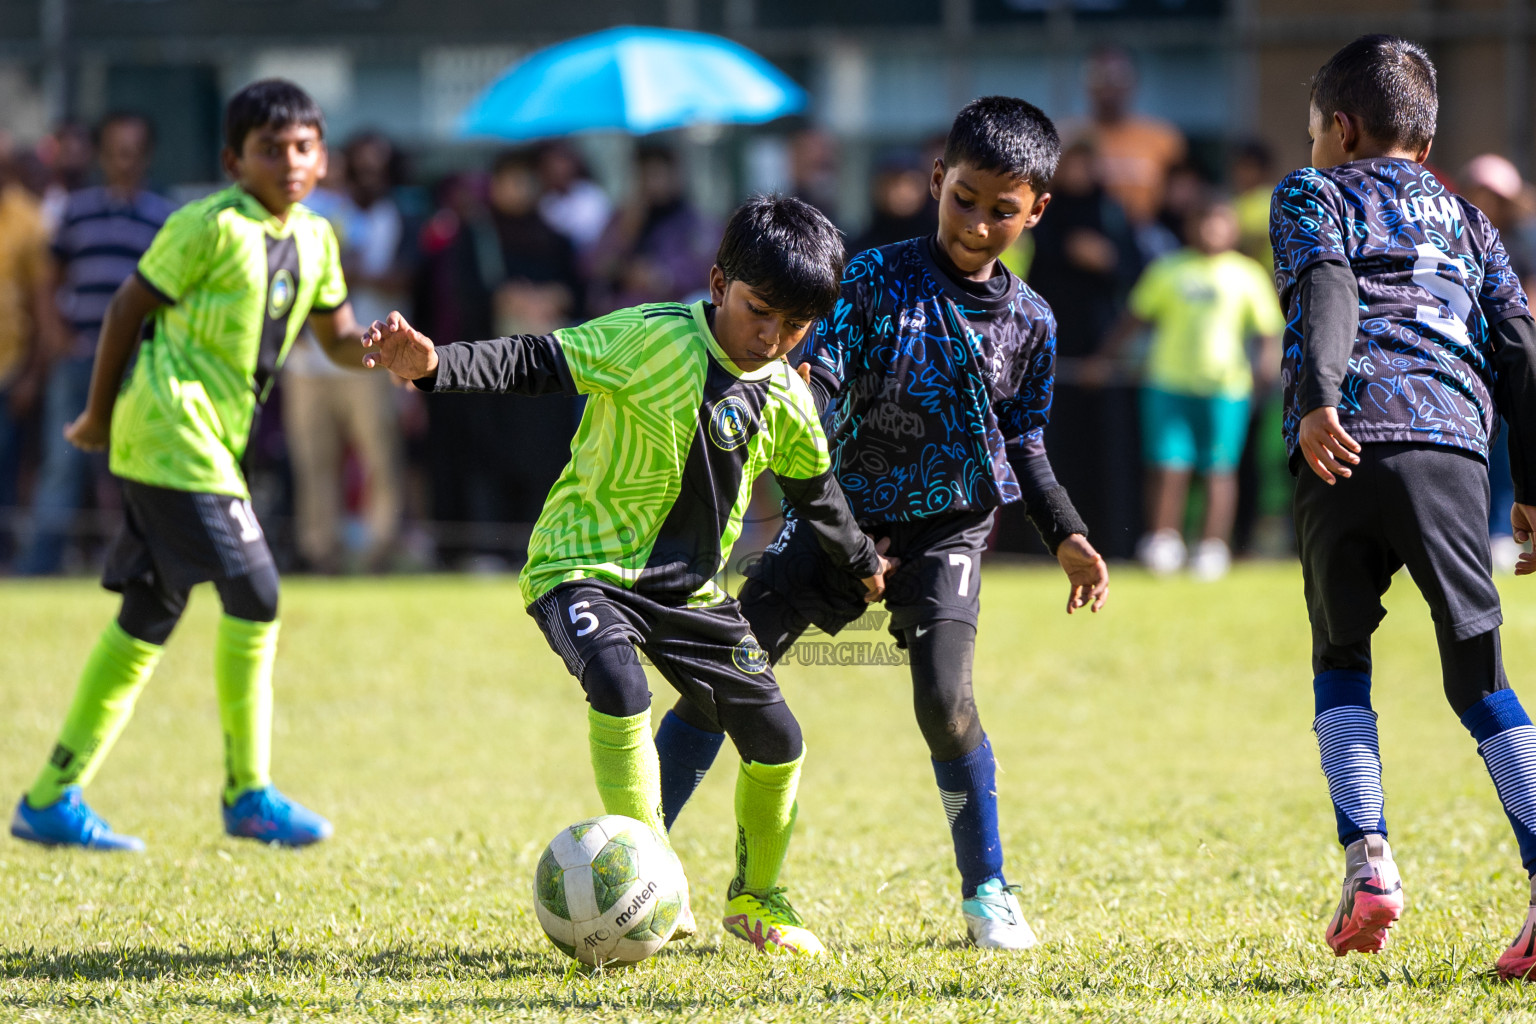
{"type": "Point", "coordinates": [1388, 83]}
{"type": "Point", "coordinates": [785, 250]}
{"type": "Point", "coordinates": [269, 103]}
{"type": "Point", "coordinates": [117, 117]}
{"type": "Point", "coordinates": [1006, 136]}
{"type": "Point", "coordinates": [394, 161]}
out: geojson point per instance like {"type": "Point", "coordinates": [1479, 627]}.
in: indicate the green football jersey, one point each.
{"type": "Point", "coordinates": [238, 285]}
{"type": "Point", "coordinates": [662, 465]}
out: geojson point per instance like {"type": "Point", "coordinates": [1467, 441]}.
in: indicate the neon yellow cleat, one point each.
{"type": "Point", "coordinates": [770, 924]}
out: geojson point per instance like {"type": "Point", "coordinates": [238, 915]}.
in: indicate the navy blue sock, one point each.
{"type": "Point", "coordinates": [1346, 740]}
{"type": "Point", "coordinates": [686, 754]}
{"type": "Point", "coordinates": [1507, 742]}
{"type": "Point", "coordinates": [968, 787]}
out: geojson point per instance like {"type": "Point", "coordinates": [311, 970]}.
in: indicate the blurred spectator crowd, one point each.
{"type": "Point", "coordinates": [353, 474]}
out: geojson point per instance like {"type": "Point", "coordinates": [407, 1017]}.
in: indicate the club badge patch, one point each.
{"type": "Point", "coordinates": [280, 294]}
{"type": "Point", "coordinates": [749, 656]}
{"type": "Point", "coordinates": [729, 424]}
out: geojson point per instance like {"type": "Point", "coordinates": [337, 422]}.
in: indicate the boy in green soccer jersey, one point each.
{"type": "Point", "coordinates": [688, 404]}
{"type": "Point", "coordinates": [226, 286]}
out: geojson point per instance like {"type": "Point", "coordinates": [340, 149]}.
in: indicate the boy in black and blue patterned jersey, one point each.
{"type": "Point", "coordinates": [938, 364]}
{"type": "Point", "coordinates": [1408, 336]}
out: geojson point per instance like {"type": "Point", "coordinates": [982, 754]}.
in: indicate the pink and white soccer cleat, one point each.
{"type": "Point", "coordinates": [1518, 962]}
{"type": "Point", "coordinates": [1372, 901]}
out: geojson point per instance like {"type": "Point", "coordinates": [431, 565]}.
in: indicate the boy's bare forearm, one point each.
{"type": "Point", "coordinates": [119, 337]}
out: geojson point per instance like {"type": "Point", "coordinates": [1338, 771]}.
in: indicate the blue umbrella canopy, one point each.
{"type": "Point", "coordinates": [634, 80]}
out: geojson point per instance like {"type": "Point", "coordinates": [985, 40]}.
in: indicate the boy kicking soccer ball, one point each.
{"type": "Point", "coordinates": [227, 284]}
{"type": "Point", "coordinates": [1408, 337]}
{"type": "Point", "coordinates": [941, 363]}
{"type": "Point", "coordinates": [688, 404]}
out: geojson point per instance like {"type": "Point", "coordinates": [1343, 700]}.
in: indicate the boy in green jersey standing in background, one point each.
{"type": "Point", "coordinates": [226, 285]}
{"type": "Point", "coordinates": [688, 405]}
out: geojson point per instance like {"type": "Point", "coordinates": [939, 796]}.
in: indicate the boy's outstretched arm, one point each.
{"type": "Point", "coordinates": [340, 335]}
{"type": "Point", "coordinates": [819, 502]}
{"type": "Point", "coordinates": [131, 303]}
{"type": "Point", "coordinates": [524, 364]}
{"type": "Point", "coordinates": [1330, 318]}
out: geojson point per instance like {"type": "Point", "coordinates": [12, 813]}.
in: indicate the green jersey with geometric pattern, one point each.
{"type": "Point", "coordinates": [237, 284]}
{"type": "Point", "coordinates": [672, 438]}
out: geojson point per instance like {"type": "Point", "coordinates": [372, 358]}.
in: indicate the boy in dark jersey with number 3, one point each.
{"type": "Point", "coordinates": [1408, 337]}
{"type": "Point", "coordinates": [226, 286]}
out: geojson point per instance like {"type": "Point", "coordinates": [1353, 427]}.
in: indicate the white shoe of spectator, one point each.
{"type": "Point", "coordinates": [1506, 552]}
{"type": "Point", "coordinates": [1161, 552]}
{"type": "Point", "coordinates": [1211, 561]}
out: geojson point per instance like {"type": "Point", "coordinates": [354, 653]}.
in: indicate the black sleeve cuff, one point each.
{"type": "Point", "coordinates": [147, 283]}
{"type": "Point", "coordinates": [1055, 517]}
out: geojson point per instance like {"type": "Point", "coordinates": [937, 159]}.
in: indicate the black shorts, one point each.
{"type": "Point", "coordinates": [939, 576]}
{"type": "Point", "coordinates": [1423, 506]}
{"type": "Point", "coordinates": [709, 655]}
{"type": "Point", "coordinates": [173, 540]}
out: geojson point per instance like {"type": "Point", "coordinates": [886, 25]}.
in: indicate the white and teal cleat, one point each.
{"type": "Point", "coordinates": [994, 920]}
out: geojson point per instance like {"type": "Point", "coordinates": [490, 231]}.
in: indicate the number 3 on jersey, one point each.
{"type": "Point", "coordinates": [1454, 293]}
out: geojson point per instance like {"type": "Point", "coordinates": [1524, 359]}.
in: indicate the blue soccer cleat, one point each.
{"type": "Point", "coordinates": [69, 821]}
{"type": "Point", "coordinates": [269, 816]}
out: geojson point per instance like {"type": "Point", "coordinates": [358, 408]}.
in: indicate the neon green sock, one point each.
{"type": "Point", "coordinates": [116, 670]}
{"type": "Point", "coordinates": [625, 764]}
{"type": "Point", "coordinates": [242, 670]}
{"type": "Point", "coordinates": [765, 819]}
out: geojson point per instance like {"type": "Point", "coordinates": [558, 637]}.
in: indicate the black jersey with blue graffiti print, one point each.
{"type": "Point", "coordinates": [1434, 280]}
{"type": "Point", "coordinates": [936, 387]}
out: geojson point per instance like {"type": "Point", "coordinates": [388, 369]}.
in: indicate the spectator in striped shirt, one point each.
{"type": "Point", "coordinates": [101, 235]}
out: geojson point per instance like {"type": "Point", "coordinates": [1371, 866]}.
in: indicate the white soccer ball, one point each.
{"type": "Point", "coordinates": [608, 890]}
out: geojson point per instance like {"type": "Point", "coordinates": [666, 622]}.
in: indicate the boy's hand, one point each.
{"type": "Point", "coordinates": [400, 348]}
{"type": "Point", "coordinates": [1086, 572]}
{"type": "Point", "coordinates": [1523, 519]}
{"type": "Point", "coordinates": [804, 370]}
{"type": "Point", "coordinates": [1327, 447]}
{"type": "Point", "coordinates": [874, 586]}
{"type": "Point", "coordinates": [88, 433]}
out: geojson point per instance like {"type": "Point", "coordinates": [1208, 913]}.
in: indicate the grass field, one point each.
{"type": "Point", "coordinates": [1161, 806]}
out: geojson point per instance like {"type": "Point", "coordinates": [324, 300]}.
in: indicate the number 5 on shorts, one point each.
{"type": "Point", "coordinates": [578, 617]}
{"type": "Point", "coordinates": [964, 562]}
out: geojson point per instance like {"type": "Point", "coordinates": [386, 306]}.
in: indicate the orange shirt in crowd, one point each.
{"type": "Point", "coordinates": [1135, 155]}
{"type": "Point", "coordinates": [23, 250]}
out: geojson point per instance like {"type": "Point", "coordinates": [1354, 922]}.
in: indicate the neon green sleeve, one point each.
{"type": "Point", "coordinates": [799, 444]}
{"type": "Point", "coordinates": [602, 354]}
{"type": "Point", "coordinates": [1268, 319]}
{"type": "Point", "coordinates": [179, 256]}
{"type": "Point", "coordinates": [1149, 295]}
{"type": "Point", "coordinates": [332, 292]}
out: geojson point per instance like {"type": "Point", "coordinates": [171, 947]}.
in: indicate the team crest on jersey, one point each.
{"type": "Point", "coordinates": [749, 656]}
{"type": "Point", "coordinates": [729, 423]}
{"type": "Point", "coordinates": [280, 294]}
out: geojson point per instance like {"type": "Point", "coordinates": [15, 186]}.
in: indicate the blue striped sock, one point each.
{"type": "Point", "coordinates": [685, 753]}
{"type": "Point", "coordinates": [1507, 742]}
{"type": "Point", "coordinates": [968, 788]}
{"type": "Point", "coordinates": [1346, 740]}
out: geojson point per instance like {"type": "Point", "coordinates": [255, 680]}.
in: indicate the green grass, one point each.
{"type": "Point", "coordinates": [1161, 805]}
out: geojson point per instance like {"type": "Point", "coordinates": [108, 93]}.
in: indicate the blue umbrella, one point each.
{"type": "Point", "coordinates": [634, 80]}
